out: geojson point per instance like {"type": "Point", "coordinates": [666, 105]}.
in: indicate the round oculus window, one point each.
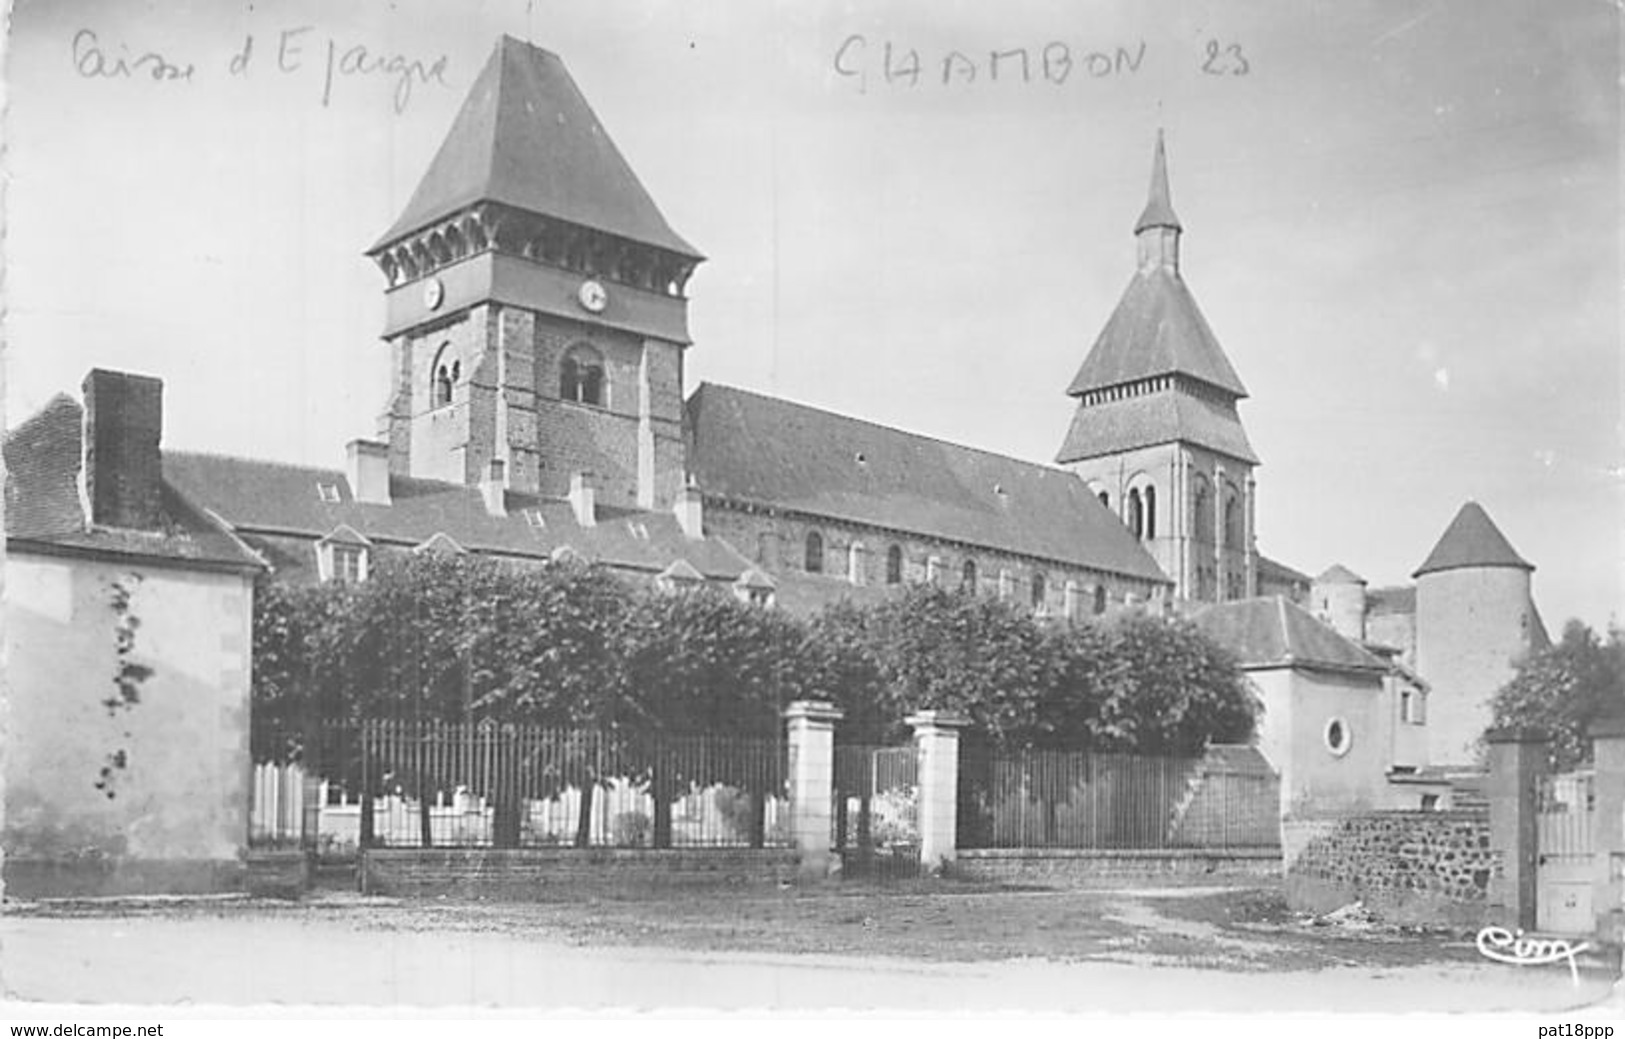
{"type": "Point", "coordinates": [1338, 737]}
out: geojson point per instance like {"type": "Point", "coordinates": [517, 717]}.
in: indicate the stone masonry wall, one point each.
{"type": "Point", "coordinates": [1408, 867]}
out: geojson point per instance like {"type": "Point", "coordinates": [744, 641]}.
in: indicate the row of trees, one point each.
{"type": "Point", "coordinates": [457, 638]}
{"type": "Point", "coordinates": [464, 639]}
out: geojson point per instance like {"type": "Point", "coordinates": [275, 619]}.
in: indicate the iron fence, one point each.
{"type": "Point", "coordinates": [875, 818]}
{"type": "Point", "coordinates": [406, 784]}
{"type": "Point", "coordinates": [1032, 798]}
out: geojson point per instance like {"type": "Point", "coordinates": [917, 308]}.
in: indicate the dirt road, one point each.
{"type": "Point", "coordinates": [306, 956]}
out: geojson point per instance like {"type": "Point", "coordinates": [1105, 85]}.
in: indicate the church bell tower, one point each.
{"type": "Point", "coordinates": [535, 308]}
{"type": "Point", "coordinates": [1156, 434]}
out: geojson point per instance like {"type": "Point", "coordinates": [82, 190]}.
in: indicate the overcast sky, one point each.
{"type": "Point", "coordinates": [1402, 222]}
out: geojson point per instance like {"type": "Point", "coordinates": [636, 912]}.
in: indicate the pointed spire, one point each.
{"type": "Point", "coordinates": [1159, 209]}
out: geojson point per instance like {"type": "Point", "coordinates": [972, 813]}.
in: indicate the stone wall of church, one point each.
{"type": "Point", "coordinates": [778, 543]}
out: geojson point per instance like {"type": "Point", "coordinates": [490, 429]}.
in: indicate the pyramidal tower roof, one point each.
{"type": "Point", "coordinates": [526, 137]}
{"type": "Point", "coordinates": [1471, 540]}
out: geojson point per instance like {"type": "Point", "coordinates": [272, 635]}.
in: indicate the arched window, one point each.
{"type": "Point", "coordinates": [1105, 499]}
{"type": "Point", "coordinates": [1232, 520]}
{"type": "Point", "coordinates": [443, 375]}
{"type": "Point", "coordinates": [1202, 511]}
{"type": "Point", "coordinates": [894, 565]}
{"type": "Point", "coordinates": [1150, 513]}
{"type": "Point", "coordinates": [855, 568]}
{"type": "Point", "coordinates": [1039, 590]}
{"type": "Point", "coordinates": [967, 575]}
{"type": "Point", "coordinates": [1136, 514]}
{"type": "Point", "coordinates": [814, 563]}
{"type": "Point", "coordinates": [1100, 598]}
{"type": "Point", "coordinates": [581, 377]}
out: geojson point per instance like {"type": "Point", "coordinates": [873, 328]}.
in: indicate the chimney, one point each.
{"type": "Point", "coordinates": [123, 468]}
{"type": "Point", "coordinates": [494, 488]}
{"type": "Point", "coordinates": [582, 499]}
{"type": "Point", "coordinates": [368, 469]}
{"type": "Point", "coordinates": [690, 511]}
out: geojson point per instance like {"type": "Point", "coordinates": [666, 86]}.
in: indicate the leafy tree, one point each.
{"type": "Point", "coordinates": [1563, 689]}
{"type": "Point", "coordinates": [1165, 688]}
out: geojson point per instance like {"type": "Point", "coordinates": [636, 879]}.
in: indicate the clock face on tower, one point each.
{"type": "Point", "coordinates": [433, 293]}
{"type": "Point", "coordinates": [592, 296]}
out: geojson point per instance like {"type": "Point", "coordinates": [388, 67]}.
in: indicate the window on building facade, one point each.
{"type": "Point", "coordinates": [1232, 521]}
{"type": "Point", "coordinates": [443, 376]}
{"type": "Point", "coordinates": [814, 561]}
{"type": "Point", "coordinates": [1105, 499]}
{"type": "Point", "coordinates": [1136, 514]}
{"type": "Point", "coordinates": [1202, 511]}
{"type": "Point", "coordinates": [1039, 591]}
{"type": "Point", "coordinates": [855, 563]}
{"type": "Point", "coordinates": [894, 565]}
{"type": "Point", "coordinates": [933, 571]}
{"type": "Point", "coordinates": [967, 575]}
{"type": "Point", "coordinates": [1100, 599]}
{"type": "Point", "coordinates": [581, 377]}
{"type": "Point", "coordinates": [1150, 513]}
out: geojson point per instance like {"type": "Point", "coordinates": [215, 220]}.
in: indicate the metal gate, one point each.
{"type": "Point", "coordinates": [875, 817]}
{"type": "Point", "coordinates": [1565, 821]}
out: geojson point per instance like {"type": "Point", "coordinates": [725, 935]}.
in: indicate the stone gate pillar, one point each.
{"type": "Point", "coordinates": [811, 740]}
{"type": "Point", "coordinates": [1608, 839]}
{"type": "Point", "coordinates": [1517, 759]}
{"type": "Point", "coordinates": [936, 737]}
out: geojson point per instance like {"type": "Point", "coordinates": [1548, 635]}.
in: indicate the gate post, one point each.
{"type": "Point", "coordinates": [1517, 759]}
{"type": "Point", "coordinates": [936, 737]}
{"type": "Point", "coordinates": [1608, 839]}
{"type": "Point", "coordinates": [811, 743]}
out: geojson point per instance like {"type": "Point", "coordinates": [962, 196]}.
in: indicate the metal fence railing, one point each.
{"type": "Point", "coordinates": [1025, 798]}
{"type": "Point", "coordinates": [404, 784]}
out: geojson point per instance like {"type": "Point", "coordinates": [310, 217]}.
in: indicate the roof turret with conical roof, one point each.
{"type": "Point", "coordinates": [1472, 540]}
{"type": "Point", "coordinates": [526, 138]}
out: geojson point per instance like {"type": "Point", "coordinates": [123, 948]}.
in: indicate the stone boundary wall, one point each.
{"type": "Point", "coordinates": [1407, 867]}
{"type": "Point", "coordinates": [541, 874]}
{"type": "Point", "coordinates": [1072, 867]}
{"type": "Point", "coordinates": [94, 876]}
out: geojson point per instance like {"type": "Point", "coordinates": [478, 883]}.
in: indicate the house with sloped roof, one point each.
{"type": "Point", "coordinates": [128, 616]}
{"type": "Point", "coordinates": [1327, 725]}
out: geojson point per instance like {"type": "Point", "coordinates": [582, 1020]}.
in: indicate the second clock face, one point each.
{"type": "Point", "coordinates": [592, 296]}
{"type": "Point", "coordinates": [433, 293]}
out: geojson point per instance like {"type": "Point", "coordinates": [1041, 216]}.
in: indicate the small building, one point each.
{"type": "Point", "coordinates": [128, 615]}
{"type": "Point", "coordinates": [1327, 723]}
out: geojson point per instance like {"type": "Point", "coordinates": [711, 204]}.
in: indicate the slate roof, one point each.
{"type": "Point", "coordinates": [1159, 206]}
{"type": "Point", "coordinates": [281, 504]}
{"type": "Point", "coordinates": [43, 458]}
{"type": "Point", "coordinates": [1337, 573]}
{"type": "Point", "coordinates": [751, 448]}
{"type": "Point", "coordinates": [1471, 540]}
{"type": "Point", "coordinates": [1279, 571]}
{"type": "Point", "coordinates": [1274, 632]}
{"type": "Point", "coordinates": [526, 137]}
{"type": "Point", "coordinates": [1157, 329]}
{"type": "Point", "coordinates": [1154, 418]}
{"type": "Point", "coordinates": [1381, 601]}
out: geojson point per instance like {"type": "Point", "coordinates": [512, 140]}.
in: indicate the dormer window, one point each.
{"type": "Point", "coordinates": [328, 493]}
{"type": "Point", "coordinates": [581, 377]}
{"type": "Point", "coordinates": [343, 556]}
